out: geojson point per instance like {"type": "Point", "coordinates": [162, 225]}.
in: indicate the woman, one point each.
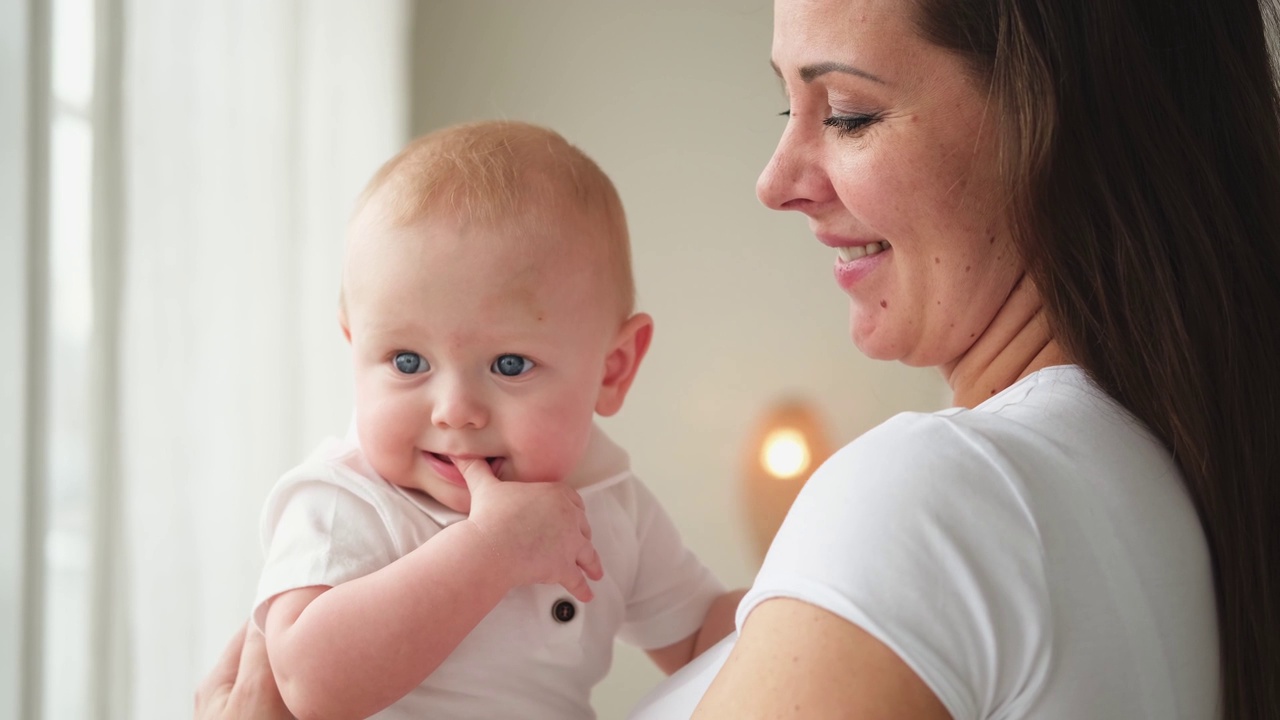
{"type": "Point", "coordinates": [1069, 208]}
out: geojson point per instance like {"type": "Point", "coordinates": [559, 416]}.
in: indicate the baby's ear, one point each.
{"type": "Point", "coordinates": [622, 362]}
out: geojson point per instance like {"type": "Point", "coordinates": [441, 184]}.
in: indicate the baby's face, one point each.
{"type": "Point", "coordinates": [470, 342]}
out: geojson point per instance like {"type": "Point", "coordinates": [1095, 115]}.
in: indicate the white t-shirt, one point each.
{"type": "Point", "coordinates": [333, 519]}
{"type": "Point", "coordinates": [1035, 557]}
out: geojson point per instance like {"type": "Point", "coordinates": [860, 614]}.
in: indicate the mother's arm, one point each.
{"type": "Point", "coordinates": [796, 660]}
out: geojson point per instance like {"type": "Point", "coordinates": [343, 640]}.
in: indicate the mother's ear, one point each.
{"type": "Point", "coordinates": [622, 362]}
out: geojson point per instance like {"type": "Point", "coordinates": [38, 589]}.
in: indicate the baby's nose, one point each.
{"type": "Point", "coordinates": [456, 406]}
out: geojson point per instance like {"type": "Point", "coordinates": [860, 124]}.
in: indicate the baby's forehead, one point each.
{"type": "Point", "coordinates": [515, 278]}
{"type": "Point", "coordinates": [530, 254]}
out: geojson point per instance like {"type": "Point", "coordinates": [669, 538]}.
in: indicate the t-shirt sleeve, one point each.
{"type": "Point", "coordinates": [319, 529]}
{"type": "Point", "coordinates": [917, 533]}
{"type": "Point", "coordinates": [672, 589]}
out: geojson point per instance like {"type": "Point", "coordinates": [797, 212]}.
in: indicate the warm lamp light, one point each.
{"type": "Point", "coordinates": [788, 443]}
{"type": "Point", "coordinates": [785, 453]}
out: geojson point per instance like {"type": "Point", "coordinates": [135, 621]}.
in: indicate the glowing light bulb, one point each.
{"type": "Point", "coordinates": [785, 453]}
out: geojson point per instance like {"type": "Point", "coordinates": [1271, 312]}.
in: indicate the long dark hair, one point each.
{"type": "Point", "coordinates": [1141, 146]}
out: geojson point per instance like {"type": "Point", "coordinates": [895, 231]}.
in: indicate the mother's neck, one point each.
{"type": "Point", "coordinates": [1015, 344]}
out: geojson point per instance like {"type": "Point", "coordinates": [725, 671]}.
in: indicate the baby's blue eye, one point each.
{"type": "Point", "coordinates": [410, 363]}
{"type": "Point", "coordinates": [512, 365]}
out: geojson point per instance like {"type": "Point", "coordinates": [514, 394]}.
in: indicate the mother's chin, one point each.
{"type": "Point", "coordinates": [880, 335]}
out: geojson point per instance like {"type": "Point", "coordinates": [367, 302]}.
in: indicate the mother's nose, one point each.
{"type": "Point", "coordinates": [793, 179]}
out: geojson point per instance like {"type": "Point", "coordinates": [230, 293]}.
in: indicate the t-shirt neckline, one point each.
{"type": "Point", "coordinates": [1070, 373]}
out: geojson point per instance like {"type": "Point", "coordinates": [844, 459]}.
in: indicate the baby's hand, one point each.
{"type": "Point", "coordinates": [539, 531]}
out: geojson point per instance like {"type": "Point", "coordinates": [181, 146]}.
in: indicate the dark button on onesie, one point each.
{"type": "Point", "coordinates": [563, 611]}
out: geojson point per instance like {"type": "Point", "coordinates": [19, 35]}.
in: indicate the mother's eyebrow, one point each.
{"type": "Point", "coordinates": [810, 72]}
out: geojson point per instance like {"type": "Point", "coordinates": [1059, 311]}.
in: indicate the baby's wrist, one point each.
{"type": "Point", "coordinates": [497, 562]}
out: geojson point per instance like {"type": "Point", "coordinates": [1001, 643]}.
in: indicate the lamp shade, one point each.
{"type": "Point", "coordinates": [787, 444]}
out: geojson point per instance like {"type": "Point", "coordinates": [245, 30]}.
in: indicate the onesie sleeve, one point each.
{"type": "Point", "coordinates": [672, 589]}
{"type": "Point", "coordinates": [918, 533]}
{"type": "Point", "coordinates": [319, 528]}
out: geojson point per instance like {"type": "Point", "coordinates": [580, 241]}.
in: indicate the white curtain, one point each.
{"type": "Point", "coordinates": [248, 128]}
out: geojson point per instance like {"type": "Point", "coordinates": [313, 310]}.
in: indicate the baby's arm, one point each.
{"type": "Point", "coordinates": [353, 649]}
{"type": "Point", "coordinates": [715, 626]}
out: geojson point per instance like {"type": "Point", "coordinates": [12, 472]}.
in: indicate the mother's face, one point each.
{"type": "Point", "coordinates": [890, 150]}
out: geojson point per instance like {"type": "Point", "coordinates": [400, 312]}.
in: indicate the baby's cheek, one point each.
{"type": "Point", "coordinates": [379, 449]}
{"type": "Point", "coordinates": [529, 455]}
{"type": "Point", "coordinates": [387, 436]}
{"type": "Point", "coordinates": [559, 453]}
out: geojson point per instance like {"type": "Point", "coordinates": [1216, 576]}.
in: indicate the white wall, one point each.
{"type": "Point", "coordinates": [677, 102]}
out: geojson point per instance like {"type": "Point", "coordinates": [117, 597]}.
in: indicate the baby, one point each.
{"type": "Point", "coordinates": [476, 543]}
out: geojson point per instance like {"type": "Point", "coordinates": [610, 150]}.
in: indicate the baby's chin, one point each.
{"type": "Point", "coordinates": [513, 472]}
{"type": "Point", "coordinates": [459, 505]}
{"type": "Point", "coordinates": [456, 498]}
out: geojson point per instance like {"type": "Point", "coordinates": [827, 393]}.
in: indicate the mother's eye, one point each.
{"type": "Point", "coordinates": [846, 125]}
{"type": "Point", "coordinates": [512, 365]}
{"type": "Point", "coordinates": [410, 363]}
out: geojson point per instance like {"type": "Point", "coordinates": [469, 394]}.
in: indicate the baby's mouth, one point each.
{"type": "Point", "coordinates": [495, 462]}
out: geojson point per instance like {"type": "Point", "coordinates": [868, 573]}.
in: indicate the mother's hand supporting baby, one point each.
{"type": "Point", "coordinates": [538, 531]}
{"type": "Point", "coordinates": [240, 686]}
